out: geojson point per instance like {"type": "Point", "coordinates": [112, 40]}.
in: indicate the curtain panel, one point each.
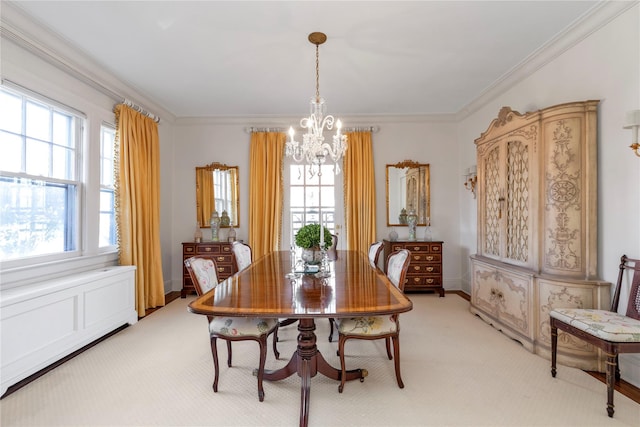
{"type": "Point", "coordinates": [359, 192]}
{"type": "Point", "coordinates": [266, 191]}
{"type": "Point", "coordinates": [137, 199]}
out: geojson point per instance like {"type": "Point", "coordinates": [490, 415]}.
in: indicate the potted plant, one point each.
{"type": "Point", "coordinates": [308, 238]}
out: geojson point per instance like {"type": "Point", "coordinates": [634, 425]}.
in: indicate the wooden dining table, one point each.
{"type": "Point", "coordinates": [267, 289]}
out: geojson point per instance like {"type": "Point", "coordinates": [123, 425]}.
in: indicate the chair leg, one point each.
{"type": "Point", "coordinates": [387, 342]}
{"type": "Point", "coordinates": [275, 342]}
{"type": "Point", "coordinates": [331, 321]}
{"type": "Point", "coordinates": [229, 353]}
{"type": "Point", "coordinates": [262, 342]}
{"type": "Point", "coordinates": [396, 353]}
{"type": "Point", "coordinates": [611, 378]}
{"type": "Point", "coordinates": [554, 348]}
{"type": "Point", "coordinates": [343, 368]}
{"type": "Point", "coordinates": [214, 352]}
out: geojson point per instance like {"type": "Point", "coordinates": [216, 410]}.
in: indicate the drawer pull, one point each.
{"type": "Point", "coordinates": [226, 249]}
{"type": "Point", "coordinates": [416, 267]}
{"type": "Point", "coordinates": [429, 281]}
{"type": "Point", "coordinates": [429, 258]}
{"type": "Point", "coordinates": [417, 257]}
{"type": "Point", "coordinates": [429, 269]}
{"type": "Point", "coordinates": [220, 269]}
{"type": "Point", "coordinates": [416, 248]}
{"type": "Point", "coordinates": [207, 249]}
{"type": "Point", "coordinates": [220, 258]}
{"type": "Point", "coordinates": [416, 279]}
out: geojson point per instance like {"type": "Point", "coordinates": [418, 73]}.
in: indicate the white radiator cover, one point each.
{"type": "Point", "coordinates": [43, 322]}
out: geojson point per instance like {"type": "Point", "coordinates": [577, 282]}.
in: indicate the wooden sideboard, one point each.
{"type": "Point", "coordinates": [425, 268]}
{"type": "Point", "coordinates": [219, 251]}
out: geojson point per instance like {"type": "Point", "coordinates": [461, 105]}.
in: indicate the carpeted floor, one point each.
{"type": "Point", "coordinates": [457, 370]}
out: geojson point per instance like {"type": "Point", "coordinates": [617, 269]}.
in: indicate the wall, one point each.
{"type": "Point", "coordinates": [606, 66]}
{"type": "Point", "coordinates": [422, 139]}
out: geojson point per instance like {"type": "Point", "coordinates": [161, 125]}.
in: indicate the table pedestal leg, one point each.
{"type": "Point", "coordinates": [307, 361]}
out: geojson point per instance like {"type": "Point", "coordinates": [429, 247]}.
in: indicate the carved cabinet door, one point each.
{"type": "Point", "coordinates": [508, 196]}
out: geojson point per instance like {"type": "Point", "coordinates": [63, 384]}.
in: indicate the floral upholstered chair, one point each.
{"type": "Point", "coordinates": [203, 274]}
{"type": "Point", "coordinates": [374, 253]}
{"type": "Point", "coordinates": [241, 255]}
{"type": "Point", "coordinates": [377, 327]}
{"type": "Point", "coordinates": [615, 331]}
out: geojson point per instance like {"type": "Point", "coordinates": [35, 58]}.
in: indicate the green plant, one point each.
{"type": "Point", "coordinates": [309, 236]}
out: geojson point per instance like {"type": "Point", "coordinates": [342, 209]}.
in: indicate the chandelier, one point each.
{"type": "Point", "coordinates": [314, 151]}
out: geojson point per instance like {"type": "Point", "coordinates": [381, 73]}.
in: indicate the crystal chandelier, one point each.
{"type": "Point", "coordinates": [313, 150]}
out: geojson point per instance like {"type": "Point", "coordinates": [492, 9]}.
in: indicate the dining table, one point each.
{"type": "Point", "coordinates": [278, 285]}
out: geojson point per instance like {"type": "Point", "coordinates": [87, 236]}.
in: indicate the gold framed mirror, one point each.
{"type": "Point", "coordinates": [408, 188]}
{"type": "Point", "coordinates": [217, 187]}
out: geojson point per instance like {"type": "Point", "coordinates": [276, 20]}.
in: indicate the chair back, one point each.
{"type": "Point", "coordinates": [397, 266]}
{"type": "Point", "coordinates": [203, 273]}
{"type": "Point", "coordinates": [332, 252]}
{"type": "Point", "coordinates": [241, 254]}
{"type": "Point", "coordinates": [374, 253]}
{"type": "Point", "coordinates": [633, 301]}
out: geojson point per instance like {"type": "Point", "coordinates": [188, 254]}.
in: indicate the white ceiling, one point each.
{"type": "Point", "coordinates": [224, 58]}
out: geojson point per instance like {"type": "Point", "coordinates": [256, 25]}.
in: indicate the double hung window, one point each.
{"type": "Point", "coordinates": [39, 177]}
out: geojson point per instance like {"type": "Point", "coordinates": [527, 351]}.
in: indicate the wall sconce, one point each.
{"type": "Point", "coordinates": [633, 122]}
{"type": "Point", "coordinates": [471, 179]}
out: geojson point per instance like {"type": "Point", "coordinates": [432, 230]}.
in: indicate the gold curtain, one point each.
{"type": "Point", "coordinates": [138, 203]}
{"type": "Point", "coordinates": [205, 195]}
{"type": "Point", "coordinates": [359, 192]}
{"type": "Point", "coordinates": [266, 191]}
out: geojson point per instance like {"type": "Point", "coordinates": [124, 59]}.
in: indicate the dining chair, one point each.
{"type": "Point", "coordinates": [613, 331]}
{"type": "Point", "coordinates": [375, 249]}
{"type": "Point", "coordinates": [377, 327]}
{"type": "Point", "coordinates": [202, 271]}
{"type": "Point", "coordinates": [241, 255]}
{"type": "Point", "coordinates": [374, 253]}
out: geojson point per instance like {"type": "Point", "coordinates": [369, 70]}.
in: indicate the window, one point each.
{"type": "Point", "coordinates": [311, 196]}
{"type": "Point", "coordinates": [107, 197]}
{"type": "Point", "coordinates": [39, 186]}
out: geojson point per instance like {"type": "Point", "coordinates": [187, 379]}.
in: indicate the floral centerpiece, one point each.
{"type": "Point", "coordinates": [308, 238]}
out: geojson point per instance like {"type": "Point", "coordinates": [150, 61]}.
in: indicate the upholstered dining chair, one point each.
{"type": "Point", "coordinates": [614, 332]}
{"type": "Point", "coordinates": [241, 255]}
{"type": "Point", "coordinates": [374, 253]}
{"type": "Point", "coordinates": [202, 271]}
{"type": "Point", "coordinates": [377, 327]}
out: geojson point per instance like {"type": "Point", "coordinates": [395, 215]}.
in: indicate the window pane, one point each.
{"type": "Point", "coordinates": [10, 112]}
{"type": "Point", "coordinates": [38, 160]}
{"type": "Point", "coordinates": [62, 163]}
{"type": "Point", "coordinates": [297, 174]}
{"type": "Point", "coordinates": [107, 219]}
{"type": "Point", "coordinates": [328, 175]}
{"type": "Point", "coordinates": [62, 129]}
{"type": "Point", "coordinates": [328, 198]}
{"type": "Point", "coordinates": [11, 148]}
{"type": "Point", "coordinates": [38, 121]}
{"type": "Point", "coordinates": [297, 197]}
{"type": "Point", "coordinates": [36, 218]}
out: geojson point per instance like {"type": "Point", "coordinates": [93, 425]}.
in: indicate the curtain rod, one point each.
{"type": "Point", "coordinates": [251, 129]}
{"type": "Point", "coordinates": [372, 129]}
{"type": "Point", "coordinates": [141, 110]}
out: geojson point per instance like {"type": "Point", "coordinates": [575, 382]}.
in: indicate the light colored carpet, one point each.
{"type": "Point", "coordinates": [457, 370]}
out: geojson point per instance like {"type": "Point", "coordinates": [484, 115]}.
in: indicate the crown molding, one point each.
{"type": "Point", "coordinates": [590, 22]}
{"type": "Point", "coordinates": [21, 30]}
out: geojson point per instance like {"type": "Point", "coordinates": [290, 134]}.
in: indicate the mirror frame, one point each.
{"type": "Point", "coordinates": [204, 222]}
{"type": "Point", "coordinates": [426, 192]}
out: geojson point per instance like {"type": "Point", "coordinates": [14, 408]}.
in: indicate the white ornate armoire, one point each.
{"type": "Point", "coordinates": [537, 226]}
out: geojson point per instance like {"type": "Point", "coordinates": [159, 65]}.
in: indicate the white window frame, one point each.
{"type": "Point", "coordinates": [106, 187]}
{"type": "Point", "coordinates": [77, 181]}
{"type": "Point", "coordinates": [288, 232]}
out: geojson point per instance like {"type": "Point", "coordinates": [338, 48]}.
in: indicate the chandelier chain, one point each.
{"type": "Point", "coordinates": [317, 72]}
